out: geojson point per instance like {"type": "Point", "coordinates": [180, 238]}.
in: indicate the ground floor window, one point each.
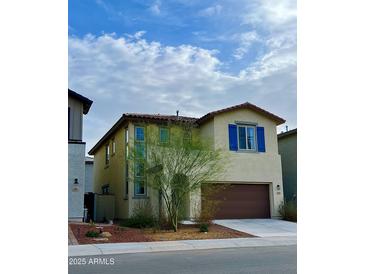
{"type": "Point", "coordinates": [139, 179]}
{"type": "Point", "coordinates": [139, 187]}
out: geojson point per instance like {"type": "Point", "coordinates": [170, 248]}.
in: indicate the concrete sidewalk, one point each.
{"type": "Point", "coordinates": [71, 237]}
{"type": "Point", "coordinates": [123, 248]}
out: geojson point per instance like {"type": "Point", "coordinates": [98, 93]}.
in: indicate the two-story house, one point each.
{"type": "Point", "coordinates": [246, 132]}
{"type": "Point", "coordinates": [78, 106]}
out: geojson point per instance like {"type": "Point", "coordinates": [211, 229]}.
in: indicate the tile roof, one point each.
{"type": "Point", "coordinates": [159, 118]}
{"type": "Point", "coordinates": [246, 105]}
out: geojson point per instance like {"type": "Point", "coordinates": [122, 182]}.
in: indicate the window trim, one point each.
{"type": "Point", "coordinates": [140, 178]}
{"type": "Point", "coordinates": [126, 154]}
{"type": "Point", "coordinates": [145, 189]}
{"type": "Point", "coordinates": [246, 137]}
{"type": "Point", "coordinates": [113, 146]}
{"type": "Point", "coordinates": [107, 154]}
{"type": "Point", "coordinates": [142, 159]}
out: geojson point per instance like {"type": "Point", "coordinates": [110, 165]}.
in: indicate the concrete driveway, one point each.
{"type": "Point", "coordinates": [261, 227]}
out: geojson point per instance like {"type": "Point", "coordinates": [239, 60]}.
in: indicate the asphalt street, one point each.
{"type": "Point", "coordinates": [268, 260]}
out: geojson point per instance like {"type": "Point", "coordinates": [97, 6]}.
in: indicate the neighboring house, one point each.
{"type": "Point", "coordinates": [246, 132]}
{"type": "Point", "coordinates": [89, 179]}
{"type": "Point", "coordinates": [78, 105]}
{"type": "Point", "coordinates": [288, 151]}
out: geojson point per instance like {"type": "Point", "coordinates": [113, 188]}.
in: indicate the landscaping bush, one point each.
{"type": "Point", "coordinates": [92, 234]}
{"type": "Point", "coordinates": [288, 211]}
{"type": "Point", "coordinates": [206, 214]}
{"type": "Point", "coordinates": [142, 217]}
{"type": "Point", "coordinates": [204, 227]}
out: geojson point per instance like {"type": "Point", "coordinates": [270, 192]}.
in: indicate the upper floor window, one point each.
{"type": "Point", "coordinates": [246, 137]}
{"type": "Point", "coordinates": [140, 150]}
{"type": "Point", "coordinates": [164, 135]}
{"type": "Point", "coordinates": [126, 140]}
{"type": "Point", "coordinates": [126, 137]}
{"type": "Point", "coordinates": [113, 146]}
{"type": "Point", "coordinates": [140, 146]}
{"type": "Point", "coordinates": [140, 188]}
{"type": "Point", "coordinates": [107, 154]}
{"type": "Point", "coordinates": [139, 132]}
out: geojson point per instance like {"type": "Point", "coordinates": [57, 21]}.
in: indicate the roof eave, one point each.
{"type": "Point", "coordinates": [278, 120]}
{"type": "Point", "coordinates": [86, 102]}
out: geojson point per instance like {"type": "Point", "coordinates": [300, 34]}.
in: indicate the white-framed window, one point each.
{"type": "Point", "coordinates": [113, 146]}
{"type": "Point", "coordinates": [107, 154]}
{"type": "Point", "coordinates": [246, 136]}
{"type": "Point", "coordinates": [126, 141]}
{"type": "Point", "coordinates": [139, 179]}
{"type": "Point", "coordinates": [140, 186]}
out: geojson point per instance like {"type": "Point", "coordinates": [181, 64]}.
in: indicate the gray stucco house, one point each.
{"type": "Point", "coordinates": [78, 106]}
{"type": "Point", "coordinates": [287, 142]}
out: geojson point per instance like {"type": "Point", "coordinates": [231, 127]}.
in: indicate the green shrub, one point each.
{"type": "Point", "coordinates": [288, 211]}
{"type": "Point", "coordinates": [203, 227]}
{"type": "Point", "coordinates": [92, 234]}
{"type": "Point", "coordinates": [142, 217]}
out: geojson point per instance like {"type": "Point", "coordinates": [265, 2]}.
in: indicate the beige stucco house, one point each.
{"type": "Point", "coordinates": [245, 132]}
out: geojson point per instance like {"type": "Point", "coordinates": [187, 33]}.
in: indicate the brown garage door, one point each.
{"type": "Point", "coordinates": [237, 201]}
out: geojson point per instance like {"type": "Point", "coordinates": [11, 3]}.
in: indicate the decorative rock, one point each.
{"type": "Point", "coordinates": [100, 239]}
{"type": "Point", "coordinates": [105, 234]}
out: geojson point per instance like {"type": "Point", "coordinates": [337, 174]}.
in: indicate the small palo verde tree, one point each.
{"type": "Point", "coordinates": [178, 166]}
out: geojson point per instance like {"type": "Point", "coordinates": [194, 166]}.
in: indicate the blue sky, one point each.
{"type": "Point", "coordinates": [195, 56]}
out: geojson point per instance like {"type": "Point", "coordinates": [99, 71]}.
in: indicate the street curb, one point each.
{"type": "Point", "coordinates": [128, 248]}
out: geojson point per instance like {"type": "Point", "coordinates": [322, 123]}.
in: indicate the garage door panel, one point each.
{"type": "Point", "coordinates": [238, 200]}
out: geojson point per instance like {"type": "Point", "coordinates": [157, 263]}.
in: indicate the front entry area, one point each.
{"type": "Point", "coordinates": [237, 201]}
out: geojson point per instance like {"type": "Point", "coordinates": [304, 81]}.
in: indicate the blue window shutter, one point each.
{"type": "Point", "coordinates": [232, 134]}
{"type": "Point", "coordinates": [260, 139]}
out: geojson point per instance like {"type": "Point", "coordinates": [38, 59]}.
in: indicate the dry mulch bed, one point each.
{"type": "Point", "coordinates": [191, 232]}
{"type": "Point", "coordinates": [126, 234]}
{"type": "Point", "coordinates": [119, 234]}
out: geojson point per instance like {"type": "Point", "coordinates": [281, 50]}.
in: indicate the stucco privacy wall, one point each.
{"type": "Point", "coordinates": [76, 170]}
{"type": "Point", "coordinates": [249, 167]}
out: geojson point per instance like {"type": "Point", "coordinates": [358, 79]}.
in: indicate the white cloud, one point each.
{"type": "Point", "coordinates": [130, 74]}
{"type": "Point", "coordinates": [245, 39]}
{"type": "Point", "coordinates": [271, 13]}
{"type": "Point", "coordinates": [155, 8]}
{"type": "Point", "coordinates": [211, 11]}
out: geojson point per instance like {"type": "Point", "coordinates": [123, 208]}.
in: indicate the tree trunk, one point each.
{"type": "Point", "coordinates": [174, 219]}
